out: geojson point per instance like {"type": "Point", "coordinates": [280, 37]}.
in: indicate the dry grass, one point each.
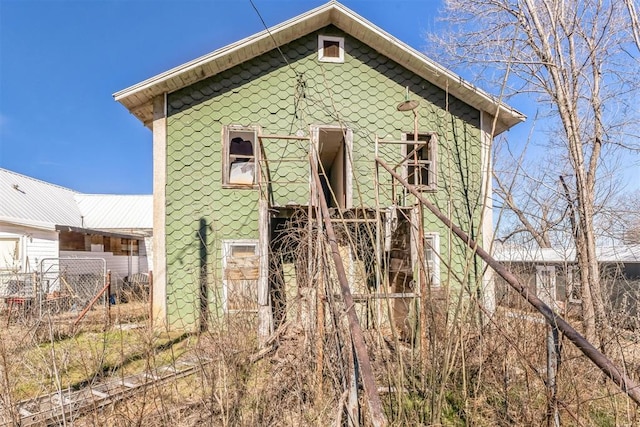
{"type": "Point", "coordinates": [489, 375]}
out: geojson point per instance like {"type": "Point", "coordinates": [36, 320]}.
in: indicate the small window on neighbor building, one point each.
{"type": "Point", "coordinates": [571, 281]}
{"type": "Point", "coordinates": [330, 49]}
{"type": "Point", "coordinates": [240, 154]}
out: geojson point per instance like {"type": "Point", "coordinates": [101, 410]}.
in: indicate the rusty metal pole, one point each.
{"type": "Point", "coordinates": [108, 297]}
{"type": "Point", "coordinates": [378, 418]}
{"type": "Point", "coordinates": [422, 273]}
{"type": "Point", "coordinates": [104, 289]}
{"type": "Point", "coordinates": [600, 360]}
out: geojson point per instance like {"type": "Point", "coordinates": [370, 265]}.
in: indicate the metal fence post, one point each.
{"type": "Point", "coordinates": [108, 285]}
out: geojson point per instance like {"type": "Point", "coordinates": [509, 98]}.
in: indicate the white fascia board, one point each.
{"type": "Point", "coordinates": [217, 54]}
{"type": "Point", "coordinates": [41, 225]}
{"type": "Point", "coordinates": [436, 73]}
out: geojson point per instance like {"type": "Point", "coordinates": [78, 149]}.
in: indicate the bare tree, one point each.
{"type": "Point", "coordinates": [579, 59]}
{"type": "Point", "coordinates": [634, 20]}
{"type": "Point", "coordinates": [624, 219]}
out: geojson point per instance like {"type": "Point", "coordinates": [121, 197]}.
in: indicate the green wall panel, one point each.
{"type": "Point", "coordinates": [361, 93]}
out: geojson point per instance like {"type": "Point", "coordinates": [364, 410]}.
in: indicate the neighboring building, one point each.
{"type": "Point", "coordinates": [41, 221]}
{"type": "Point", "coordinates": [232, 135]}
{"type": "Point", "coordinates": [553, 275]}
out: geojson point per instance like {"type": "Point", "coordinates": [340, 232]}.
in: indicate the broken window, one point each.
{"type": "Point", "coordinates": [240, 151]}
{"type": "Point", "coordinates": [330, 49]}
{"type": "Point", "coordinates": [241, 264]}
{"type": "Point", "coordinates": [420, 160]}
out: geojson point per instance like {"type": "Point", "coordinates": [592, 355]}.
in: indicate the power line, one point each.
{"type": "Point", "coordinates": [272, 38]}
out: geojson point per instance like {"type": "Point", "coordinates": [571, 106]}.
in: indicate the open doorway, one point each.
{"type": "Point", "coordinates": [334, 164]}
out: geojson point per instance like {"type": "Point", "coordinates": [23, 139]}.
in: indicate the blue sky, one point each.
{"type": "Point", "coordinates": [61, 61]}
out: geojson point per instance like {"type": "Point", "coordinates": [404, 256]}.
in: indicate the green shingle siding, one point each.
{"type": "Point", "coordinates": [362, 92]}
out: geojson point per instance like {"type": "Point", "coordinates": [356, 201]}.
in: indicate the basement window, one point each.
{"type": "Point", "coordinates": [240, 156]}
{"type": "Point", "coordinates": [421, 160]}
{"type": "Point", "coordinates": [240, 263]}
{"type": "Point", "coordinates": [330, 49]}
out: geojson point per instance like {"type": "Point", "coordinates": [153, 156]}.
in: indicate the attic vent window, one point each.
{"type": "Point", "coordinates": [330, 49]}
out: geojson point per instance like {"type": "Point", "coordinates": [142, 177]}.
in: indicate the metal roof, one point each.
{"type": "Point", "coordinates": [138, 99]}
{"type": "Point", "coordinates": [29, 201]}
{"type": "Point", "coordinates": [604, 254]}
{"type": "Point", "coordinates": [34, 203]}
{"type": "Point", "coordinates": [109, 211]}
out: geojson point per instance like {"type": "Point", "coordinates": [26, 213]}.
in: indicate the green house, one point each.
{"type": "Point", "coordinates": [235, 134]}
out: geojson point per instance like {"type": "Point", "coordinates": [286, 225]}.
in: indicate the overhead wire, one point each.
{"type": "Point", "coordinates": [272, 38]}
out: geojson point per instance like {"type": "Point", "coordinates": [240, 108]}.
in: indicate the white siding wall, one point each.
{"type": "Point", "coordinates": [146, 255]}
{"type": "Point", "coordinates": [39, 249]}
{"type": "Point", "coordinates": [35, 245]}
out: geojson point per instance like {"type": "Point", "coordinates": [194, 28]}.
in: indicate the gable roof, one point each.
{"type": "Point", "coordinates": [34, 203]}
{"type": "Point", "coordinates": [31, 202]}
{"type": "Point", "coordinates": [138, 98]}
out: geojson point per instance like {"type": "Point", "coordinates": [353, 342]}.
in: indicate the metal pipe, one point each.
{"type": "Point", "coordinates": [600, 360]}
{"type": "Point", "coordinates": [365, 370]}
{"type": "Point", "coordinates": [105, 288]}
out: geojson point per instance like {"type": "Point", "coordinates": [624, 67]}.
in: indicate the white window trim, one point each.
{"type": "Point", "coordinates": [16, 262]}
{"type": "Point", "coordinates": [404, 150]}
{"type": "Point", "coordinates": [226, 252]}
{"type": "Point", "coordinates": [547, 294]}
{"type": "Point", "coordinates": [339, 40]}
{"type": "Point", "coordinates": [348, 134]}
{"type": "Point", "coordinates": [226, 163]}
{"type": "Point", "coordinates": [435, 247]}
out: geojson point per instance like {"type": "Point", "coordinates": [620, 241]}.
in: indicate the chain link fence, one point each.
{"type": "Point", "coordinates": [18, 293]}
{"type": "Point", "coordinates": [69, 284]}
{"type": "Point", "coordinates": [61, 285]}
